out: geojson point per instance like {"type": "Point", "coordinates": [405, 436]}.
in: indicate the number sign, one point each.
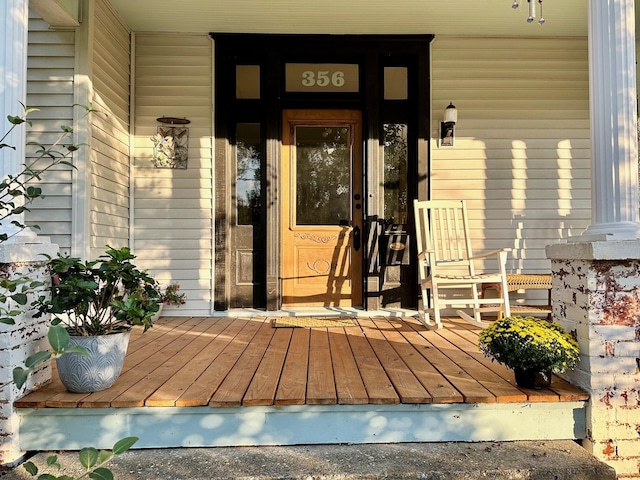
{"type": "Point", "coordinates": [322, 77]}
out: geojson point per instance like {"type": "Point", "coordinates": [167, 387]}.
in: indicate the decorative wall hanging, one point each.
{"type": "Point", "coordinates": [170, 144]}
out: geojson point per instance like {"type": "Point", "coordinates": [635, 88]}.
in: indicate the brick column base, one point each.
{"type": "Point", "coordinates": [18, 341]}
{"type": "Point", "coordinates": [596, 296]}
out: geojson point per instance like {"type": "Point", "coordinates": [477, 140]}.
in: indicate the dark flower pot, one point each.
{"type": "Point", "coordinates": [532, 378]}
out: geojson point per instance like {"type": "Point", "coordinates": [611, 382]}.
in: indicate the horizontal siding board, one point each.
{"type": "Point", "coordinates": [111, 170]}
{"type": "Point", "coordinates": [50, 75]}
{"type": "Point", "coordinates": [117, 97]}
{"type": "Point", "coordinates": [184, 41]}
{"type": "Point", "coordinates": [100, 184]}
{"type": "Point", "coordinates": [522, 148]}
{"type": "Point", "coordinates": [146, 94]}
{"type": "Point", "coordinates": [179, 183]}
{"type": "Point", "coordinates": [119, 223]}
{"type": "Point", "coordinates": [100, 206]}
{"type": "Point", "coordinates": [172, 80]}
{"type": "Point", "coordinates": [173, 217]}
{"type": "Point", "coordinates": [171, 223]}
{"type": "Point", "coordinates": [60, 229]}
{"type": "Point", "coordinates": [113, 48]}
{"type": "Point", "coordinates": [154, 232]}
{"type": "Point", "coordinates": [44, 88]}
{"type": "Point", "coordinates": [558, 174]}
{"type": "Point", "coordinates": [111, 146]}
{"type": "Point", "coordinates": [117, 76]}
{"type": "Point", "coordinates": [160, 193]}
{"type": "Point", "coordinates": [176, 254]}
{"type": "Point", "coordinates": [54, 99]}
{"type": "Point", "coordinates": [51, 202]}
{"type": "Point", "coordinates": [175, 62]}
{"type": "Point", "coordinates": [53, 49]}
{"type": "Point", "coordinates": [521, 188]}
{"type": "Point", "coordinates": [169, 213]}
{"type": "Point", "coordinates": [177, 204]}
{"type": "Point", "coordinates": [109, 215]}
{"type": "Point", "coordinates": [162, 73]}
{"type": "Point", "coordinates": [50, 215]}
{"type": "Point", "coordinates": [111, 130]}
{"type": "Point", "coordinates": [163, 244]}
{"type": "Point", "coordinates": [110, 28]}
{"type": "Point", "coordinates": [40, 35]}
{"type": "Point", "coordinates": [50, 62]}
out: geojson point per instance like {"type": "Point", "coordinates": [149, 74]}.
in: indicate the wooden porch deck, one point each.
{"type": "Point", "coordinates": [206, 382]}
{"type": "Point", "coordinates": [242, 362]}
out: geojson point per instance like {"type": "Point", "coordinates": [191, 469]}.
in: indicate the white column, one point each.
{"type": "Point", "coordinates": [614, 145]}
{"type": "Point", "coordinates": [13, 90]}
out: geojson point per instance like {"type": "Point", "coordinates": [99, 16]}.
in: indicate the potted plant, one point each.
{"type": "Point", "coordinates": [532, 347]}
{"type": "Point", "coordinates": [98, 302]}
{"type": "Point", "coordinates": [171, 295]}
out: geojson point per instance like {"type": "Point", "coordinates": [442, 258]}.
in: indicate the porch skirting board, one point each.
{"type": "Point", "coordinates": [171, 427]}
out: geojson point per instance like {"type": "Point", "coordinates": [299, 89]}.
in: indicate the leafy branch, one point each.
{"type": "Point", "coordinates": [90, 458]}
{"type": "Point", "coordinates": [17, 194]}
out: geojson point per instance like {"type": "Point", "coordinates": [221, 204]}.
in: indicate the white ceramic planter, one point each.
{"type": "Point", "coordinates": [156, 316]}
{"type": "Point", "coordinates": [100, 369]}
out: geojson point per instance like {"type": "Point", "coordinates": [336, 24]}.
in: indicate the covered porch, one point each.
{"type": "Point", "coordinates": [240, 381]}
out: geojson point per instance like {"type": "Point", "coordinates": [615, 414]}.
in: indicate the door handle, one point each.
{"type": "Point", "coordinates": [356, 238]}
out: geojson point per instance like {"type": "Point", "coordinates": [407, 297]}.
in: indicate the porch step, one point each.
{"type": "Point", "coordinates": [531, 460]}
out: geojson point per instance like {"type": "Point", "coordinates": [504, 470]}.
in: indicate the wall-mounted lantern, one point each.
{"type": "Point", "coordinates": [447, 127]}
{"type": "Point", "coordinates": [171, 143]}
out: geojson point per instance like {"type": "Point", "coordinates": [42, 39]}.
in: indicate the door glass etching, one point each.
{"type": "Point", "coordinates": [395, 172]}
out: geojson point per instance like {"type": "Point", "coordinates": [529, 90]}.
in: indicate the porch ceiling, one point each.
{"type": "Point", "coordinates": [443, 17]}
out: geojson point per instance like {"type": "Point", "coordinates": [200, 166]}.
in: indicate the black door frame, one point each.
{"type": "Point", "coordinates": [271, 53]}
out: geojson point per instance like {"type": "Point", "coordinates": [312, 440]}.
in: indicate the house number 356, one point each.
{"type": "Point", "coordinates": [322, 78]}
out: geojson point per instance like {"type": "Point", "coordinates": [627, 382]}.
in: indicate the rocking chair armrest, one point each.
{"type": "Point", "coordinates": [492, 253]}
{"type": "Point", "coordinates": [424, 255]}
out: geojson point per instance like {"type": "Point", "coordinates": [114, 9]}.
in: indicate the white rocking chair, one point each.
{"type": "Point", "coordinates": [445, 262]}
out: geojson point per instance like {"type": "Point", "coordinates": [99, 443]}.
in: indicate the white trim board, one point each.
{"type": "Point", "coordinates": [170, 427]}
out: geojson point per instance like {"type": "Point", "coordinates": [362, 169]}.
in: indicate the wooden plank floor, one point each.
{"type": "Point", "coordinates": [231, 362]}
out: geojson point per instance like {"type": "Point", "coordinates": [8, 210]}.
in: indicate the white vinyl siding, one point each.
{"type": "Point", "coordinates": [521, 158]}
{"type": "Point", "coordinates": [173, 207]}
{"type": "Point", "coordinates": [50, 70]}
{"type": "Point", "coordinates": [109, 217]}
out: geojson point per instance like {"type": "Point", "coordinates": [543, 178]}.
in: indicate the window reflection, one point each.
{"type": "Point", "coordinates": [323, 181]}
{"type": "Point", "coordinates": [395, 172]}
{"type": "Point", "coordinates": [248, 159]}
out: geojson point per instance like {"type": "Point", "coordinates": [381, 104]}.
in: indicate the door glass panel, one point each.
{"type": "Point", "coordinates": [395, 172]}
{"type": "Point", "coordinates": [248, 158]}
{"type": "Point", "coordinates": [323, 167]}
{"type": "Point", "coordinates": [248, 81]}
{"type": "Point", "coordinates": [395, 83]}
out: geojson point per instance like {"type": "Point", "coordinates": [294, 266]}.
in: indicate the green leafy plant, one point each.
{"type": "Point", "coordinates": [102, 296]}
{"type": "Point", "coordinates": [529, 343]}
{"type": "Point", "coordinates": [17, 193]}
{"type": "Point", "coordinates": [21, 288]}
{"type": "Point", "coordinates": [172, 295]}
{"type": "Point", "coordinates": [90, 459]}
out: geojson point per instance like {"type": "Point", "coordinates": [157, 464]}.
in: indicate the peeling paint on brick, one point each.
{"type": "Point", "coordinates": [609, 448]}
{"type": "Point", "coordinates": [609, 349]}
{"type": "Point", "coordinates": [606, 398]}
